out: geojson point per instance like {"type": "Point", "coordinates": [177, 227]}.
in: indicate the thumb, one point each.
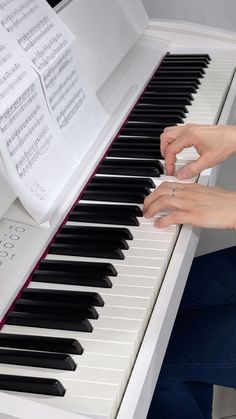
{"type": "Point", "coordinates": [192, 169]}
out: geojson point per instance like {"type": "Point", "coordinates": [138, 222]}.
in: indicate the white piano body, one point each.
{"type": "Point", "coordinates": [119, 51]}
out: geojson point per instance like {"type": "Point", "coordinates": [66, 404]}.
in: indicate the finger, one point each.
{"type": "Point", "coordinates": [168, 136]}
{"type": "Point", "coordinates": [165, 202]}
{"type": "Point", "coordinates": [165, 142]}
{"type": "Point", "coordinates": [163, 189]}
{"type": "Point", "coordinates": [175, 217]}
{"type": "Point", "coordinates": [172, 150]}
{"type": "Point", "coordinates": [176, 128]}
{"type": "Point", "coordinates": [194, 168]}
{"type": "Point", "coordinates": [170, 160]}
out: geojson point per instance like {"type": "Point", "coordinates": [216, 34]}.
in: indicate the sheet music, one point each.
{"type": "Point", "coordinates": [46, 43]}
{"type": "Point", "coordinates": [29, 140]}
{"type": "Point", "coordinates": [41, 100]}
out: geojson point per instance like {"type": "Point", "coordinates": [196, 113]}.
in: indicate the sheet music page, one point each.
{"type": "Point", "coordinates": [48, 116]}
{"type": "Point", "coordinates": [47, 43]}
{"type": "Point", "coordinates": [29, 141]}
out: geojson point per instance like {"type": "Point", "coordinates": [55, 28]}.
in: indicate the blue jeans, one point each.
{"type": "Point", "coordinates": [202, 347]}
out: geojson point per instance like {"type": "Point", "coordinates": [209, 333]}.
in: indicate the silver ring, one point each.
{"type": "Point", "coordinates": [173, 190]}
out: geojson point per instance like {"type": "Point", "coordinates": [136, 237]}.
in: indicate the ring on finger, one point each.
{"type": "Point", "coordinates": [173, 190]}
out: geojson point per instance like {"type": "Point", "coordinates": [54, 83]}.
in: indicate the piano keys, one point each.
{"type": "Point", "coordinates": [116, 312]}
{"type": "Point", "coordinates": [102, 277]}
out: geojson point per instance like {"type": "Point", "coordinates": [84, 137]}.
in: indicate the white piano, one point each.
{"type": "Point", "coordinates": [120, 51]}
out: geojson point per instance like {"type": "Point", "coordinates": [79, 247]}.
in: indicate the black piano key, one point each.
{"type": "Point", "coordinates": [159, 113]}
{"type": "Point", "coordinates": [142, 145]}
{"type": "Point", "coordinates": [125, 210]}
{"type": "Point", "coordinates": [103, 192]}
{"type": "Point", "coordinates": [48, 321]}
{"type": "Point", "coordinates": [78, 311]}
{"type": "Point", "coordinates": [76, 268]}
{"type": "Point", "coordinates": [130, 168]}
{"type": "Point", "coordinates": [172, 83]}
{"type": "Point", "coordinates": [97, 250]}
{"type": "Point", "coordinates": [125, 191]}
{"type": "Point", "coordinates": [160, 108]}
{"type": "Point", "coordinates": [114, 196]}
{"type": "Point", "coordinates": [91, 241]}
{"type": "Point", "coordinates": [133, 149]}
{"type": "Point", "coordinates": [154, 119]}
{"type": "Point", "coordinates": [41, 343]}
{"type": "Point", "coordinates": [153, 164]}
{"type": "Point", "coordinates": [164, 95]}
{"type": "Point", "coordinates": [113, 169]}
{"type": "Point", "coordinates": [140, 181]}
{"type": "Point", "coordinates": [170, 88]}
{"type": "Point", "coordinates": [142, 153]}
{"type": "Point", "coordinates": [176, 77]}
{"type": "Point", "coordinates": [62, 296]}
{"type": "Point", "coordinates": [125, 140]}
{"type": "Point", "coordinates": [198, 63]}
{"type": "Point", "coordinates": [181, 71]}
{"type": "Point", "coordinates": [37, 359]}
{"type": "Point", "coordinates": [106, 218]}
{"type": "Point", "coordinates": [136, 129]}
{"type": "Point", "coordinates": [103, 218]}
{"type": "Point", "coordinates": [205, 57]}
{"type": "Point", "coordinates": [121, 232]}
{"type": "Point", "coordinates": [180, 67]}
{"type": "Point", "coordinates": [70, 278]}
{"type": "Point", "coordinates": [128, 220]}
{"type": "Point", "coordinates": [36, 385]}
{"type": "Point", "coordinates": [163, 101]}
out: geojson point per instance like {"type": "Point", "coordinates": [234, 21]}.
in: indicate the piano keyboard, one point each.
{"type": "Point", "coordinates": [73, 335]}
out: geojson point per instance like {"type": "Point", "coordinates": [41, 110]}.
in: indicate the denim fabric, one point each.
{"type": "Point", "coordinates": [202, 348]}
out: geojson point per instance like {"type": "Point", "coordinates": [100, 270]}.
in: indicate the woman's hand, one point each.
{"type": "Point", "coordinates": [214, 143]}
{"type": "Point", "coordinates": [192, 204]}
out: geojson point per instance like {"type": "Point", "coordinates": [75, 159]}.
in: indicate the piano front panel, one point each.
{"type": "Point", "coordinates": [95, 388]}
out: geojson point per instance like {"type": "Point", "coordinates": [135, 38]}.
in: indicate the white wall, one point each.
{"type": "Point", "coordinates": [219, 13]}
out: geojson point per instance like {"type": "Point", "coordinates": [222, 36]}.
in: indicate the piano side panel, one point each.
{"type": "Point", "coordinates": [191, 38]}
{"type": "Point", "coordinates": [223, 176]}
{"type": "Point", "coordinates": [199, 12]}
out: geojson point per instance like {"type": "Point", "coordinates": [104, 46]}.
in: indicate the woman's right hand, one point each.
{"type": "Point", "coordinates": [214, 144]}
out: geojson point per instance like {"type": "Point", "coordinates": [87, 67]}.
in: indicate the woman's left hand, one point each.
{"type": "Point", "coordinates": [194, 204]}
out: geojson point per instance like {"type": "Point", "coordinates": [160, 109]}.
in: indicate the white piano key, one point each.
{"type": "Point", "coordinates": [81, 373]}
{"type": "Point", "coordinates": [122, 312]}
{"type": "Point", "coordinates": [115, 291]}
{"type": "Point", "coordinates": [113, 336]}
{"type": "Point", "coordinates": [143, 227]}
{"type": "Point", "coordinates": [137, 281]}
{"type": "Point", "coordinates": [96, 379]}
{"type": "Point", "coordinates": [146, 252]}
{"type": "Point", "coordinates": [141, 269]}
{"type": "Point", "coordinates": [89, 343]}
{"type": "Point", "coordinates": [101, 361]}
{"type": "Point", "coordinates": [93, 407]}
